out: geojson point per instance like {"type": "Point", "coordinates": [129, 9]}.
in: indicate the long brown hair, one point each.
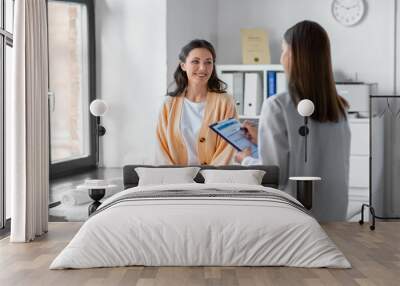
{"type": "Point", "coordinates": [181, 81]}
{"type": "Point", "coordinates": [311, 74]}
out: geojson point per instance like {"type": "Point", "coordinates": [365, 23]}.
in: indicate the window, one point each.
{"type": "Point", "coordinates": [71, 86]}
{"type": "Point", "coordinates": [6, 43]}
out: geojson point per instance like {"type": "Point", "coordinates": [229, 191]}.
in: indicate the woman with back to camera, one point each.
{"type": "Point", "coordinates": [307, 63]}
{"type": "Point", "coordinates": [199, 99]}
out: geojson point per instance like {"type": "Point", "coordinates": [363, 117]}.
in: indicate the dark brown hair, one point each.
{"type": "Point", "coordinates": [214, 83]}
{"type": "Point", "coordinates": [311, 74]}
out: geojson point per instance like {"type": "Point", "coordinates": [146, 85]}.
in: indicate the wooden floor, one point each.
{"type": "Point", "coordinates": [374, 255]}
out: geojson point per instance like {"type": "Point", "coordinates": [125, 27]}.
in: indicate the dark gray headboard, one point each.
{"type": "Point", "coordinates": [270, 179]}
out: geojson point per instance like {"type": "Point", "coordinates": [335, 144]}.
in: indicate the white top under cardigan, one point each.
{"type": "Point", "coordinates": [279, 143]}
{"type": "Point", "coordinates": [191, 120]}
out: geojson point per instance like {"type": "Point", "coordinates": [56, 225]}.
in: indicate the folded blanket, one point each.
{"type": "Point", "coordinates": [206, 193]}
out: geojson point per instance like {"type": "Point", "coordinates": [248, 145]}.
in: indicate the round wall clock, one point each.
{"type": "Point", "coordinates": [348, 12]}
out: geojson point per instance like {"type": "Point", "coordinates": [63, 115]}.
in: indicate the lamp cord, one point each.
{"type": "Point", "coordinates": [305, 145]}
{"type": "Point", "coordinates": [98, 140]}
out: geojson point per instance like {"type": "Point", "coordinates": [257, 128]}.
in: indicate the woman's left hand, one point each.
{"type": "Point", "coordinates": [239, 157]}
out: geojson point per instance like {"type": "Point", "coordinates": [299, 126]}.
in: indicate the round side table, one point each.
{"type": "Point", "coordinates": [305, 189]}
{"type": "Point", "coordinates": [96, 193]}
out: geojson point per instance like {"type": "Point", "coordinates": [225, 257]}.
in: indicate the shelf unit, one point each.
{"type": "Point", "coordinates": [359, 167]}
{"type": "Point", "coordinates": [243, 98]}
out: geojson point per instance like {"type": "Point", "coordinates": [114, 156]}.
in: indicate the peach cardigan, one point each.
{"type": "Point", "coordinates": [211, 148]}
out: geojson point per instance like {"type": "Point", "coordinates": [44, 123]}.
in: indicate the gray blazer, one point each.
{"type": "Point", "coordinates": [280, 143]}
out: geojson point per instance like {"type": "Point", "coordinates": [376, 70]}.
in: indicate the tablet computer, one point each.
{"type": "Point", "coordinates": [230, 130]}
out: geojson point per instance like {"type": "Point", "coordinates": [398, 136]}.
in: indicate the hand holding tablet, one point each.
{"type": "Point", "coordinates": [233, 133]}
{"type": "Point", "coordinates": [250, 131]}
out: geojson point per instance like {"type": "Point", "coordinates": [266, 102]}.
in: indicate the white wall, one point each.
{"type": "Point", "coordinates": [366, 49]}
{"type": "Point", "coordinates": [188, 20]}
{"type": "Point", "coordinates": [131, 76]}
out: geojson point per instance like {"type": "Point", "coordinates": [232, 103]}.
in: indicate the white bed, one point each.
{"type": "Point", "coordinates": [207, 230]}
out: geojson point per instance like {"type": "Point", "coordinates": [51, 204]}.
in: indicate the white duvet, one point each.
{"type": "Point", "coordinates": [200, 231]}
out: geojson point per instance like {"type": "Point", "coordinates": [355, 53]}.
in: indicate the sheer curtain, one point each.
{"type": "Point", "coordinates": [27, 136]}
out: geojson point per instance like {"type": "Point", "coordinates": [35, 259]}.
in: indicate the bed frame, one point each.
{"type": "Point", "coordinates": [270, 179]}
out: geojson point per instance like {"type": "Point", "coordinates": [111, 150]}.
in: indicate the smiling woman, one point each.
{"type": "Point", "coordinates": [198, 100]}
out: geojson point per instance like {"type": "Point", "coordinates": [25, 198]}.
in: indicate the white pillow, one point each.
{"type": "Point", "coordinates": [163, 176]}
{"type": "Point", "coordinates": [248, 177]}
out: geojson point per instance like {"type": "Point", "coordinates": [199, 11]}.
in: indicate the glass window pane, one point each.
{"type": "Point", "coordinates": [1, 15]}
{"type": "Point", "coordinates": [8, 84]}
{"type": "Point", "coordinates": [8, 81]}
{"type": "Point", "coordinates": [2, 137]}
{"type": "Point", "coordinates": [9, 9]}
{"type": "Point", "coordinates": [68, 75]}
